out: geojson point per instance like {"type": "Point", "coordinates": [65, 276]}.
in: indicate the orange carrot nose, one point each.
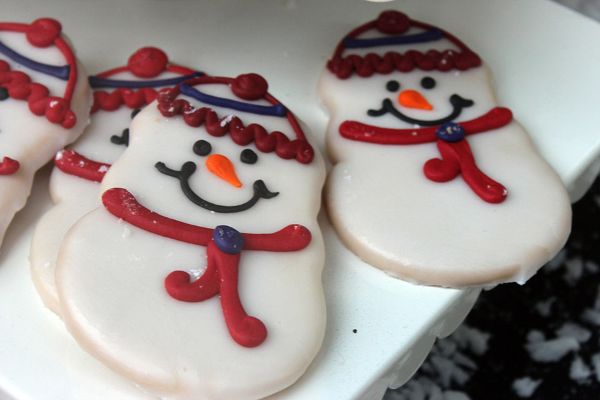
{"type": "Point", "coordinates": [222, 167]}
{"type": "Point", "coordinates": [413, 99]}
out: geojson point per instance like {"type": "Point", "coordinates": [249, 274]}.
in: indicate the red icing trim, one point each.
{"type": "Point", "coordinates": [122, 204]}
{"type": "Point", "coordinates": [364, 66]}
{"type": "Point", "coordinates": [73, 163]}
{"type": "Point", "coordinates": [8, 166]}
{"type": "Point", "coordinates": [19, 85]}
{"type": "Point", "coordinates": [300, 149]}
{"type": "Point", "coordinates": [110, 101]}
{"type": "Point", "coordinates": [221, 277]}
{"type": "Point", "coordinates": [495, 118]}
{"type": "Point", "coordinates": [457, 158]}
{"type": "Point", "coordinates": [222, 269]}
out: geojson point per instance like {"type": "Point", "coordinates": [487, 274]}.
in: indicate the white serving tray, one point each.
{"type": "Point", "coordinates": [544, 59]}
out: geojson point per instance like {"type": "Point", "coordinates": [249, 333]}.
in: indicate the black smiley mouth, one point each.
{"type": "Point", "coordinates": [458, 104]}
{"type": "Point", "coordinates": [260, 190]}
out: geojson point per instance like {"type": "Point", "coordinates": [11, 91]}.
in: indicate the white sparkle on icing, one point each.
{"type": "Point", "coordinates": [53, 103]}
{"type": "Point", "coordinates": [81, 163]}
{"type": "Point", "coordinates": [414, 133]}
{"type": "Point", "coordinates": [102, 168]}
{"type": "Point", "coordinates": [226, 120]}
{"type": "Point", "coordinates": [126, 233]}
{"type": "Point", "coordinates": [59, 155]}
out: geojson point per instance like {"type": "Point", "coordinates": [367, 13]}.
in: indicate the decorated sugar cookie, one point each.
{"type": "Point", "coordinates": [44, 105]}
{"type": "Point", "coordinates": [433, 181]}
{"type": "Point", "coordinates": [119, 94]}
{"type": "Point", "coordinates": [200, 274]}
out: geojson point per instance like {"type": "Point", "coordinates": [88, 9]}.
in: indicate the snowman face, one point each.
{"type": "Point", "coordinates": [108, 135]}
{"type": "Point", "coordinates": [411, 100]}
{"type": "Point", "coordinates": [186, 173]}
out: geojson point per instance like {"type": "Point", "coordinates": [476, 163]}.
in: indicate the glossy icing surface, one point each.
{"type": "Point", "coordinates": [30, 139]}
{"type": "Point", "coordinates": [75, 196]}
{"type": "Point", "coordinates": [439, 233]}
{"type": "Point", "coordinates": [169, 346]}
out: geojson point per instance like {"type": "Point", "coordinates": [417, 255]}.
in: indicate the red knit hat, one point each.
{"type": "Point", "coordinates": [43, 32]}
{"type": "Point", "coordinates": [147, 62]}
{"type": "Point", "coordinates": [244, 87]}
{"type": "Point", "coordinates": [395, 25]}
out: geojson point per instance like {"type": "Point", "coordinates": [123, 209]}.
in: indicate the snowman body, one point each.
{"type": "Point", "coordinates": [386, 208]}
{"type": "Point", "coordinates": [32, 138]}
{"type": "Point", "coordinates": [112, 287]}
{"type": "Point", "coordinates": [75, 193]}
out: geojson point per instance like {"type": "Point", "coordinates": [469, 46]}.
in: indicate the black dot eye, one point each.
{"type": "Point", "coordinates": [248, 156]}
{"type": "Point", "coordinates": [428, 82]}
{"type": "Point", "coordinates": [3, 93]}
{"type": "Point", "coordinates": [392, 86]}
{"type": "Point", "coordinates": [202, 148]}
{"type": "Point", "coordinates": [135, 112]}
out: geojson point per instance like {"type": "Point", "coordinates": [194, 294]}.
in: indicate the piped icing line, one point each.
{"type": "Point", "coordinates": [397, 23]}
{"type": "Point", "coordinates": [42, 32]}
{"type": "Point", "coordinates": [73, 163]}
{"type": "Point", "coordinates": [451, 139]}
{"type": "Point", "coordinates": [147, 62]}
{"type": "Point", "coordinates": [169, 105]}
{"type": "Point", "coordinates": [423, 37]}
{"type": "Point", "coordinates": [9, 166]}
{"type": "Point", "coordinates": [97, 82]}
{"type": "Point", "coordinates": [60, 72]}
{"type": "Point", "coordinates": [277, 110]}
{"type": "Point", "coordinates": [224, 248]}
{"type": "Point", "coordinates": [110, 101]}
{"type": "Point", "coordinates": [497, 117]}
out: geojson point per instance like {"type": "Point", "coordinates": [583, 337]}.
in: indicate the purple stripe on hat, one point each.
{"type": "Point", "coordinates": [96, 82]}
{"type": "Point", "coordinates": [427, 36]}
{"type": "Point", "coordinates": [60, 72]}
{"type": "Point", "coordinates": [276, 111]}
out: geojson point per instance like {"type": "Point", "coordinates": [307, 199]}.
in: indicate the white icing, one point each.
{"type": "Point", "coordinates": [33, 140]}
{"type": "Point", "coordinates": [393, 217]}
{"type": "Point", "coordinates": [74, 196]}
{"type": "Point", "coordinates": [110, 274]}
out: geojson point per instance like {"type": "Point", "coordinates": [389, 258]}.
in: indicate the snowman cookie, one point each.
{"type": "Point", "coordinates": [119, 94]}
{"type": "Point", "coordinates": [44, 105]}
{"type": "Point", "coordinates": [199, 277]}
{"type": "Point", "coordinates": [433, 181]}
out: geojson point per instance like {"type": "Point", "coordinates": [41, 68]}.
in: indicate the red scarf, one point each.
{"type": "Point", "coordinates": [72, 163]}
{"type": "Point", "coordinates": [222, 269]}
{"type": "Point", "coordinates": [457, 157]}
